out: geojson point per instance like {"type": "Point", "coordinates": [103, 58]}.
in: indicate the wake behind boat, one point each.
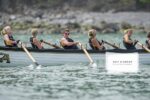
{"type": "Point", "coordinates": [61, 56]}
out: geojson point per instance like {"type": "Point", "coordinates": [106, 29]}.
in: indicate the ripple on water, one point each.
{"type": "Point", "coordinates": [72, 81]}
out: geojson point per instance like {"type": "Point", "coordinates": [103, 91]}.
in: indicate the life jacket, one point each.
{"type": "Point", "coordinates": [70, 47]}
{"type": "Point", "coordinates": [95, 48]}
{"type": "Point", "coordinates": [8, 44]}
{"type": "Point", "coordinates": [32, 44]}
{"type": "Point", "coordinates": [147, 44]}
{"type": "Point", "coordinates": [128, 46]}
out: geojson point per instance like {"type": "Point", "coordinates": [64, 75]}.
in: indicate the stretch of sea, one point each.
{"type": "Point", "coordinates": [74, 81]}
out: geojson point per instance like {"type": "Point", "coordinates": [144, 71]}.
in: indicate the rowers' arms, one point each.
{"type": "Point", "coordinates": [64, 42]}
{"type": "Point", "coordinates": [127, 40]}
{"type": "Point", "coordinates": [37, 43]}
{"type": "Point", "coordinates": [135, 42]}
{"type": "Point", "coordinates": [96, 43]}
{"type": "Point", "coordinates": [9, 42]}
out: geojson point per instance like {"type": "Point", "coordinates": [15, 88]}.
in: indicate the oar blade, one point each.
{"type": "Point", "coordinates": [36, 63]}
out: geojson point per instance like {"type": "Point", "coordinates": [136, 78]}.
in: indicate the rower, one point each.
{"type": "Point", "coordinates": [148, 40]}
{"type": "Point", "coordinates": [36, 44]}
{"type": "Point", "coordinates": [9, 41]}
{"type": "Point", "coordinates": [127, 41]}
{"type": "Point", "coordinates": [66, 42]}
{"type": "Point", "coordinates": [93, 42]}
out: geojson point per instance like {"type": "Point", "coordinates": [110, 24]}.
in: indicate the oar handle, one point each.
{"type": "Point", "coordinates": [86, 53]}
{"type": "Point", "coordinates": [28, 53]}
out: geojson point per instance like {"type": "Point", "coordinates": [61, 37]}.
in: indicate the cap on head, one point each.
{"type": "Point", "coordinates": [34, 31]}
{"type": "Point", "coordinates": [92, 33]}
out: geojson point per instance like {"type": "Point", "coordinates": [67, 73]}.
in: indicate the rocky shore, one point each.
{"type": "Point", "coordinates": [77, 21]}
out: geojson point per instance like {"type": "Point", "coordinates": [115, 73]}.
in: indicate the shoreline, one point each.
{"type": "Point", "coordinates": [77, 21]}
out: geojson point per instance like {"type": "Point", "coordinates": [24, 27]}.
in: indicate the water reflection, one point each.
{"type": "Point", "coordinates": [72, 81]}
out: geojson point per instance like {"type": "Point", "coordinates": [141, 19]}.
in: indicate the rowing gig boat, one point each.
{"type": "Point", "coordinates": [60, 56]}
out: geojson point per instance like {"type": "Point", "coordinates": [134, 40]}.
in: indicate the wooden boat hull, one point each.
{"type": "Point", "coordinates": [60, 56]}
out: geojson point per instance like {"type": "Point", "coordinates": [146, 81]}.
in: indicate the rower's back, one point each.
{"type": "Point", "coordinates": [127, 41]}
{"type": "Point", "coordinates": [32, 43]}
{"type": "Point", "coordinates": [33, 40]}
{"type": "Point", "coordinates": [93, 42]}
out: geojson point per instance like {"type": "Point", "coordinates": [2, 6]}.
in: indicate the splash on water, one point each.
{"type": "Point", "coordinates": [39, 67]}
{"type": "Point", "coordinates": [94, 65]}
{"type": "Point", "coordinates": [31, 67]}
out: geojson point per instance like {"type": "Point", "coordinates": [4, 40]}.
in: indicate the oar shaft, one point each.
{"type": "Point", "coordinates": [144, 47]}
{"type": "Point", "coordinates": [53, 45]}
{"type": "Point", "coordinates": [29, 55]}
{"type": "Point", "coordinates": [27, 52]}
{"type": "Point", "coordinates": [114, 46]}
{"type": "Point", "coordinates": [86, 53]}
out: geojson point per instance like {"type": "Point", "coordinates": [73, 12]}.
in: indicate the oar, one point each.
{"type": "Point", "coordinates": [113, 45]}
{"type": "Point", "coordinates": [50, 44]}
{"type": "Point", "coordinates": [29, 55]}
{"type": "Point", "coordinates": [144, 47]}
{"type": "Point", "coordinates": [27, 52]}
{"type": "Point", "coordinates": [88, 56]}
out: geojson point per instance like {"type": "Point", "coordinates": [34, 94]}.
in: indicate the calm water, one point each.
{"type": "Point", "coordinates": [73, 81]}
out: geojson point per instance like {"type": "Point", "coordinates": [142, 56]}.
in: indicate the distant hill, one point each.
{"type": "Point", "coordinates": [13, 6]}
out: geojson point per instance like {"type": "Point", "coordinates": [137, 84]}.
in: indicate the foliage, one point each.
{"type": "Point", "coordinates": [88, 5]}
{"type": "Point", "coordinates": [145, 1]}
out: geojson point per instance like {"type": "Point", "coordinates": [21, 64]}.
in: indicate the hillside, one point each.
{"type": "Point", "coordinates": [107, 16]}
{"type": "Point", "coordinates": [20, 6]}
